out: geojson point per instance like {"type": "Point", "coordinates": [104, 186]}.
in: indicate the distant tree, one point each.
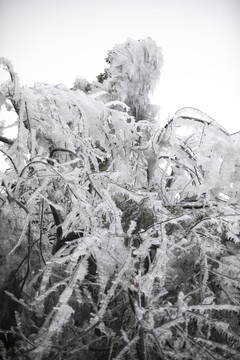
{"type": "Point", "coordinates": [132, 73]}
{"type": "Point", "coordinates": [119, 239]}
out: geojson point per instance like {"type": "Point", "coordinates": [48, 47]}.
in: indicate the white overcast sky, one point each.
{"type": "Point", "coordinates": [56, 40]}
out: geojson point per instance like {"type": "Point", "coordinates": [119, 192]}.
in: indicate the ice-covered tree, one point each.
{"type": "Point", "coordinates": [119, 239]}
{"type": "Point", "coordinates": [132, 74]}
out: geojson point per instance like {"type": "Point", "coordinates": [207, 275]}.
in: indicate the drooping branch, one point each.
{"type": "Point", "coordinates": [13, 95]}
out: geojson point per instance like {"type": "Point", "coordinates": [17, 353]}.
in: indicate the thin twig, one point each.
{"type": "Point", "coordinates": [28, 257]}
{"type": "Point", "coordinates": [41, 231]}
{"type": "Point", "coordinates": [210, 218]}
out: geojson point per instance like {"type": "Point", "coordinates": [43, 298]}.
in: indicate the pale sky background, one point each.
{"type": "Point", "coordinates": [56, 40]}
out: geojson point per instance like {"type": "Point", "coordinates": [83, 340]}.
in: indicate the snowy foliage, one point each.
{"type": "Point", "coordinates": [119, 239]}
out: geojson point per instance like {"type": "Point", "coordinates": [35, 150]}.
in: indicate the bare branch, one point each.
{"type": "Point", "coordinates": [6, 140]}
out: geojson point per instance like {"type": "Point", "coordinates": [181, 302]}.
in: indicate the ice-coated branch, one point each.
{"type": "Point", "coordinates": [14, 79]}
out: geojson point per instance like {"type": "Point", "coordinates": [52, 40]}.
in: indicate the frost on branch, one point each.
{"type": "Point", "coordinates": [118, 239]}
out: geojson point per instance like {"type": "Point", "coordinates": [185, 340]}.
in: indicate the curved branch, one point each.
{"type": "Point", "coordinates": [61, 149]}
{"type": "Point", "coordinates": [9, 157]}
{"type": "Point", "coordinates": [65, 150]}
{"type": "Point", "coordinates": [32, 163]}
{"type": "Point", "coordinates": [207, 121]}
